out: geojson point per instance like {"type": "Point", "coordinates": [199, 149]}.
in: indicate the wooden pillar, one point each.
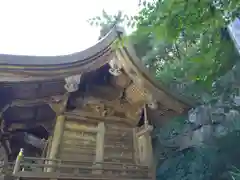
{"type": "Point", "coordinates": [146, 152]}
{"type": "Point", "coordinates": [100, 146]}
{"type": "Point", "coordinates": [149, 151]}
{"type": "Point", "coordinates": [56, 139]}
{"type": "Point", "coordinates": [59, 109]}
{"type": "Point", "coordinates": [149, 155]}
{"type": "Point", "coordinates": [145, 142]}
{"type": "Point", "coordinates": [57, 136]}
{"type": "Point", "coordinates": [145, 149]}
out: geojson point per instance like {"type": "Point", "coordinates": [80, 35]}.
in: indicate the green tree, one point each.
{"type": "Point", "coordinates": [183, 42]}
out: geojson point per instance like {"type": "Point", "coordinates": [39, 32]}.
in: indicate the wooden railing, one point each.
{"type": "Point", "coordinates": [37, 168]}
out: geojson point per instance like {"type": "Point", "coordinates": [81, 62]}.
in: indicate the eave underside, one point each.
{"type": "Point", "coordinates": [30, 82]}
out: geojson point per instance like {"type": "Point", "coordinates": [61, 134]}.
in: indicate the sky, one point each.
{"type": "Point", "coordinates": [53, 27]}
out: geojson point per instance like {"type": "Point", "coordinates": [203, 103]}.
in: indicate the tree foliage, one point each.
{"type": "Point", "coordinates": [188, 39]}
{"type": "Point", "coordinates": [183, 42]}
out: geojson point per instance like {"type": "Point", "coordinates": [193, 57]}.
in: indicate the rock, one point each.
{"type": "Point", "coordinates": [220, 131]}
{"type": "Point", "coordinates": [202, 134]}
{"type": "Point", "coordinates": [232, 121]}
{"type": "Point", "coordinates": [217, 115]}
{"type": "Point", "coordinates": [200, 115]}
{"type": "Point", "coordinates": [237, 100]}
{"type": "Point", "coordinates": [195, 138]}
{"type": "Point", "coordinates": [232, 115]}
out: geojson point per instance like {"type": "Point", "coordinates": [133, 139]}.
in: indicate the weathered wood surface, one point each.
{"type": "Point", "coordinates": [79, 142]}
{"type": "Point", "coordinates": [38, 68]}
{"type": "Point", "coordinates": [118, 144]}
{"type": "Point", "coordinates": [35, 68]}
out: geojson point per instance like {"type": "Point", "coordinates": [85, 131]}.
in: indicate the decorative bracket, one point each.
{"type": "Point", "coordinates": [115, 67]}
{"type": "Point", "coordinates": [72, 83]}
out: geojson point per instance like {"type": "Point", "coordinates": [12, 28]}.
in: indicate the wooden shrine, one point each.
{"type": "Point", "coordinates": [96, 106]}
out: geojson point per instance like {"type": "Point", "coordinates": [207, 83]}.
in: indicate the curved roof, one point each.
{"type": "Point", "coordinates": [64, 65]}
{"type": "Point", "coordinates": [17, 68]}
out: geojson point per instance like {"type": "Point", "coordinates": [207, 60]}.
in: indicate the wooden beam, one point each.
{"type": "Point", "coordinates": [88, 116]}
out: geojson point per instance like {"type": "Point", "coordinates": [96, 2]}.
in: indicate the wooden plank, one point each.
{"type": "Point", "coordinates": [82, 129]}
{"type": "Point", "coordinates": [118, 150]}
{"type": "Point", "coordinates": [80, 146]}
{"type": "Point", "coordinates": [78, 136]}
{"type": "Point", "coordinates": [121, 146]}
{"type": "Point", "coordinates": [77, 151]}
{"type": "Point", "coordinates": [79, 158]}
{"type": "Point", "coordinates": [78, 126]}
{"type": "Point", "coordinates": [80, 140]}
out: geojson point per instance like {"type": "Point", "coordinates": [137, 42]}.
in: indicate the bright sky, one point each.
{"type": "Point", "coordinates": [53, 27]}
